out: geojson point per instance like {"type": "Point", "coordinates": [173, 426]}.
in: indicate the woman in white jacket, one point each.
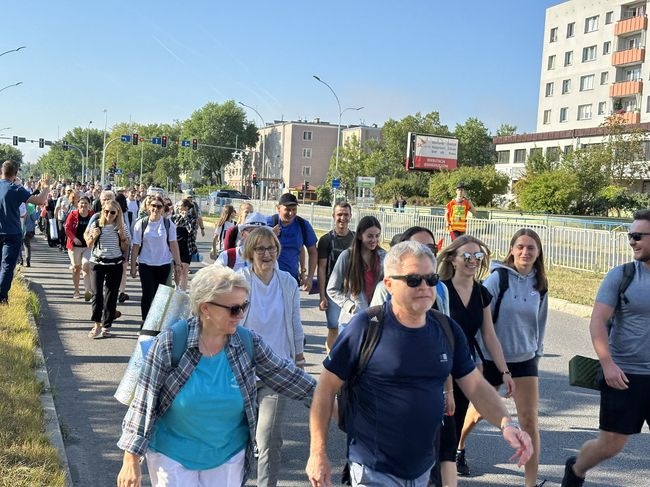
{"type": "Point", "coordinates": [274, 313]}
{"type": "Point", "coordinates": [358, 270]}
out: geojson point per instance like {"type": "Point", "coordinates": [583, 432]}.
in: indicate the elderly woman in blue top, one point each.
{"type": "Point", "coordinates": [274, 313]}
{"type": "Point", "coordinates": [195, 423]}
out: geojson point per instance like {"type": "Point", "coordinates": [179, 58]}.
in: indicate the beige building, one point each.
{"type": "Point", "coordinates": [593, 65]}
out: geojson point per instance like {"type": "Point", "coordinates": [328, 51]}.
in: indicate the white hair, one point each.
{"type": "Point", "coordinates": [397, 254]}
{"type": "Point", "coordinates": [212, 281]}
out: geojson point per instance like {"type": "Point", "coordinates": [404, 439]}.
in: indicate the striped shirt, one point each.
{"type": "Point", "coordinates": [159, 383]}
{"type": "Point", "coordinates": [108, 245]}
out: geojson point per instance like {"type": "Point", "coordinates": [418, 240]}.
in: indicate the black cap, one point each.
{"type": "Point", "coordinates": [288, 199]}
{"type": "Point", "coordinates": [460, 185]}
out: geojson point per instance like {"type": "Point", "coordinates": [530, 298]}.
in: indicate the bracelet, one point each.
{"type": "Point", "coordinates": [450, 391]}
{"type": "Point", "coordinates": [510, 424]}
{"type": "Point", "coordinates": [507, 372]}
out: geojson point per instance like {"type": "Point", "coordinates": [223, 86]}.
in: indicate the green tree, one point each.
{"type": "Point", "coordinates": [218, 125]}
{"type": "Point", "coordinates": [481, 183]}
{"type": "Point", "coordinates": [586, 164]}
{"type": "Point", "coordinates": [352, 164]}
{"type": "Point", "coordinates": [67, 164]}
{"type": "Point", "coordinates": [536, 163]}
{"type": "Point", "coordinates": [475, 147]}
{"type": "Point", "coordinates": [9, 152]}
{"type": "Point", "coordinates": [406, 187]}
{"type": "Point", "coordinates": [505, 129]}
{"type": "Point", "coordinates": [625, 160]}
{"type": "Point", "coordinates": [553, 192]}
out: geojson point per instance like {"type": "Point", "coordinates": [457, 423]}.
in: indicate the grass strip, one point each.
{"type": "Point", "coordinates": [26, 456]}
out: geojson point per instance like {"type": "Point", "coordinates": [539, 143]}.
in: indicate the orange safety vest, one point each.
{"type": "Point", "coordinates": [457, 215]}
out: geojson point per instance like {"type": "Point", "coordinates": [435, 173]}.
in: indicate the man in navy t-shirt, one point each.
{"type": "Point", "coordinates": [398, 403]}
{"type": "Point", "coordinates": [11, 197]}
{"type": "Point", "coordinates": [293, 235]}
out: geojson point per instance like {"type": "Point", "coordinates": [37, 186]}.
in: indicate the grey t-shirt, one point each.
{"type": "Point", "coordinates": [629, 340]}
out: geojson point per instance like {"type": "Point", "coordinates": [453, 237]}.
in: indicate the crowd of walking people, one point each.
{"type": "Point", "coordinates": [420, 337]}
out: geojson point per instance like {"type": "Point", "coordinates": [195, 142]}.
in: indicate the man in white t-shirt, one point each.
{"type": "Point", "coordinates": [233, 257]}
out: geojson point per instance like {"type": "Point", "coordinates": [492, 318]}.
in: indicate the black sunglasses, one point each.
{"type": "Point", "coordinates": [234, 310]}
{"type": "Point", "coordinates": [110, 212]}
{"type": "Point", "coordinates": [414, 280]}
{"type": "Point", "coordinates": [157, 206]}
{"type": "Point", "coordinates": [636, 236]}
{"type": "Point", "coordinates": [479, 256]}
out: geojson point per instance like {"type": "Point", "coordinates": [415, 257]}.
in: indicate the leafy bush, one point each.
{"type": "Point", "coordinates": [482, 184]}
{"type": "Point", "coordinates": [554, 192]}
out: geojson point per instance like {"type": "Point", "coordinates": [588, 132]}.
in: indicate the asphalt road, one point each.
{"type": "Point", "coordinates": [84, 374]}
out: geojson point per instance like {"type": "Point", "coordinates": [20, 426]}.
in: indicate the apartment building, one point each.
{"type": "Point", "coordinates": [593, 65]}
{"type": "Point", "coordinates": [294, 152]}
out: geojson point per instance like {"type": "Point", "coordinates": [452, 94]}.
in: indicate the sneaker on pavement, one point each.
{"type": "Point", "coordinates": [570, 479]}
{"type": "Point", "coordinates": [122, 297]}
{"type": "Point", "coordinates": [461, 464]}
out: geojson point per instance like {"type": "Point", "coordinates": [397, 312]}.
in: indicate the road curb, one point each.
{"type": "Point", "coordinates": [52, 425]}
{"type": "Point", "coordinates": [564, 306]}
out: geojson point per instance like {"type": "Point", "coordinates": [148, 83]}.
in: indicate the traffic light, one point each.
{"type": "Point", "coordinates": [134, 139]}
{"type": "Point", "coordinates": [195, 144]}
{"type": "Point", "coordinates": [65, 145]}
{"type": "Point", "coordinates": [41, 142]}
{"type": "Point", "coordinates": [163, 141]}
{"type": "Point", "coordinates": [15, 140]}
{"type": "Point", "coordinates": [254, 179]}
{"type": "Point", "coordinates": [305, 186]}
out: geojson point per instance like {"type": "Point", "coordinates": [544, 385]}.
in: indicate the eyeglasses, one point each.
{"type": "Point", "coordinates": [234, 310]}
{"type": "Point", "coordinates": [110, 212]}
{"type": "Point", "coordinates": [414, 280]}
{"type": "Point", "coordinates": [156, 206]}
{"type": "Point", "coordinates": [432, 247]}
{"type": "Point", "coordinates": [636, 236]}
{"type": "Point", "coordinates": [264, 250]}
{"type": "Point", "coordinates": [478, 256]}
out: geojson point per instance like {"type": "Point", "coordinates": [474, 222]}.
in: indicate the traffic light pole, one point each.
{"type": "Point", "coordinates": [104, 158]}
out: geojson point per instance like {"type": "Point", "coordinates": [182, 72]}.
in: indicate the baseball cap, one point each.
{"type": "Point", "coordinates": [253, 220]}
{"type": "Point", "coordinates": [288, 199]}
{"type": "Point", "coordinates": [460, 185]}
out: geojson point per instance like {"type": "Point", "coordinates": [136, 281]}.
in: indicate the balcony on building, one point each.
{"type": "Point", "coordinates": [626, 88]}
{"type": "Point", "coordinates": [628, 56]}
{"type": "Point", "coordinates": [633, 24]}
{"type": "Point", "coordinates": [631, 117]}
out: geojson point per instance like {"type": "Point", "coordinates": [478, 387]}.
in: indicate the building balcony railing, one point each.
{"type": "Point", "coordinates": [631, 117]}
{"type": "Point", "coordinates": [628, 56]}
{"type": "Point", "coordinates": [625, 88]}
{"type": "Point", "coordinates": [633, 24]}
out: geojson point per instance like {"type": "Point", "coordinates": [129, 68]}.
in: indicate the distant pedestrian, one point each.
{"type": "Point", "coordinates": [11, 232]}
{"type": "Point", "coordinates": [234, 257]}
{"type": "Point", "coordinates": [232, 234]}
{"type": "Point", "coordinates": [623, 348]}
{"type": "Point", "coordinates": [456, 212]}
{"type": "Point", "coordinates": [402, 204]}
{"type": "Point", "coordinates": [224, 223]}
{"type": "Point", "coordinates": [32, 216]}
{"type": "Point", "coordinates": [78, 251]}
{"type": "Point", "coordinates": [184, 227]}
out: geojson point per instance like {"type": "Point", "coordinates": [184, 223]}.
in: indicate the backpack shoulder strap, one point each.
{"type": "Point", "coordinates": [628, 275]}
{"type": "Point", "coordinates": [247, 339]}
{"type": "Point", "coordinates": [446, 327]}
{"type": "Point", "coordinates": [503, 287]}
{"type": "Point", "coordinates": [231, 253]}
{"type": "Point", "coordinates": [303, 229]}
{"type": "Point", "coordinates": [167, 224]}
{"type": "Point", "coordinates": [180, 331]}
{"type": "Point", "coordinates": [275, 219]}
{"type": "Point", "coordinates": [440, 292]}
{"type": "Point", "coordinates": [145, 222]}
{"type": "Point", "coordinates": [370, 339]}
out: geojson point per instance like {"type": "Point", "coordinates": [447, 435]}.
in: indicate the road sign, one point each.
{"type": "Point", "coordinates": [118, 171]}
{"type": "Point", "coordinates": [365, 182]}
{"type": "Point", "coordinates": [125, 138]}
{"type": "Point", "coordinates": [186, 143]}
{"type": "Point", "coordinates": [156, 140]}
{"type": "Point", "coordinates": [336, 183]}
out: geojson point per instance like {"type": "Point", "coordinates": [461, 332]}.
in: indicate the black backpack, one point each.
{"type": "Point", "coordinates": [628, 275]}
{"type": "Point", "coordinates": [503, 287]}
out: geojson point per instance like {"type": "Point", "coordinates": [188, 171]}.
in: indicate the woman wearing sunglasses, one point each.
{"type": "Point", "coordinates": [184, 230]}
{"type": "Point", "coordinates": [463, 264]}
{"type": "Point", "coordinates": [357, 271]}
{"type": "Point", "coordinates": [109, 240]}
{"type": "Point", "coordinates": [196, 423]}
{"type": "Point", "coordinates": [520, 326]}
{"type": "Point", "coordinates": [274, 313]}
{"type": "Point", "coordinates": [155, 250]}
{"type": "Point", "coordinates": [78, 251]}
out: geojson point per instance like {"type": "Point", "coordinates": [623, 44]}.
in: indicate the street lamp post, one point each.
{"type": "Point", "coordinates": [263, 145]}
{"type": "Point", "coordinates": [104, 150]}
{"type": "Point", "coordinates": [12, 50]}
{"type": "Point", "coordinates": [10, 86]}
{"type": "Point", "coordinates": [83, 180]}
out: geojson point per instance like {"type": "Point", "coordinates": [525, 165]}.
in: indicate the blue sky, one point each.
{"type": "Point", "coordinates": [158, 61]}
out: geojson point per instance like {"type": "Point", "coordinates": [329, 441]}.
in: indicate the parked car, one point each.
{"type": "Point", "coordinates": [152, 190]}
{"type": "Point", "coordinates": [232, 194]}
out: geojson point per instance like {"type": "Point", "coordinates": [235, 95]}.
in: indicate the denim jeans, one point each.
{"type": "Point", "coordinates": [363, 476]}
{"type": "Point", "coordinates": [10, 246]}
{"type": "Point", "coordinates": [332, 314]}
{"type": "Point", "coordinates": [269, 435]}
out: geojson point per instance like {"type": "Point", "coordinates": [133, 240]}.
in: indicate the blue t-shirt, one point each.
{"type": "Point", "coordinates": [399, 407]}
{"type": "Point", "coordinates": [11, 197]}
{"type": "Point", "coordinates": [205, 426]}
{"type": "Point", "coordinates": [291, 241]}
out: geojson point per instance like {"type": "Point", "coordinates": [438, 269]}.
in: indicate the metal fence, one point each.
{"type": "Point", "coordinates": [575, 248]}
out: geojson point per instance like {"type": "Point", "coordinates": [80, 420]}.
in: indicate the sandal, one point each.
{"type": "Point", "coordinates": [106, 333]}
{"type": "Point", "coordinates": [95, 332]}
{"type": "Point", "coordinates": [76, 295]}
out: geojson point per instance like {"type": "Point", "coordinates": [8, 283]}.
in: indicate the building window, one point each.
{"type": "Point", "coordinates": [520, 156]}
{"type": "Point", "coordinates": [307, 134]}
{"type": "Point", "coordinates": [633, 74]}
{"type": "Point", "coordinates": [535, 152]}
{"type": "Point", "coordinates": [568, 149]}
{"type": "Point", "coordinates": [647, 106]}
{"type": "Point", "coordinates": [547, 117]}
{"type": "Point", "coordinates": [607, 47]}
{"type": "Point", "coordinates": [588, 53]}
{"type": "Point", "coordinates": [608, 17]}
{"type": "Point", "coordinates": [503, 157]}
{"type": "Point", "coordinates": [591, 24]}
{"type": "Point", "coordinates": [604, 77]}
{"type": "Point", "coordinates": [568, 58]}
{"type": "Point", "coordinates": [634, 42]}
{"type": "Point", "coordinates": [306, 153]}
{"type": "Point", "coordinates": [637, 11]}
{"type": "Point", "coordinates": [306, 171]}
{"type": "Point", "coordinates": [549, 89]}
{"type": "Point", "coordinates": [571, 29]}
{"type": "Point", "coordinates": [584, 112]}
{"type": "Point", "coordinates": [553, 34]}
{"type": "Point", "coordinates": [551, 62]}
{"type": "Point", "coordinates": [566, 86]}
{"type": "Point", "coordinates": [602, 107]}
{"type": "Point", "coordinates": [564, 114]}
{"type": "Point", "coordinates": [552, 154]}
{"type": "Point", "coordinates": [587, 82]}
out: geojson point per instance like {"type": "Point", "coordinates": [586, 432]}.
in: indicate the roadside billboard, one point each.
{"type": "Point", "coordinates": [431, 152]}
